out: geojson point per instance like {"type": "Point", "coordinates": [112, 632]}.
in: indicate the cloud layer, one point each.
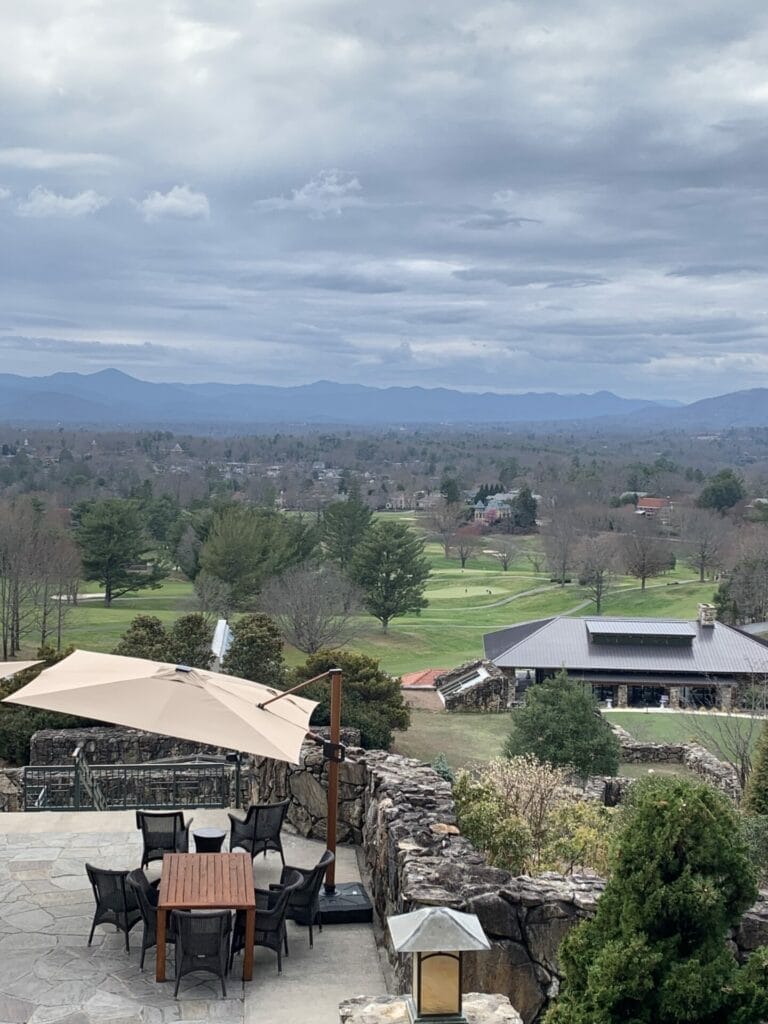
{"type": "Point", "coordinates": [563, 195]}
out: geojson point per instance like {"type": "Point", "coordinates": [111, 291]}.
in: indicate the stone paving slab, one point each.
{"type": "Point", "coordinates": [49, 975]}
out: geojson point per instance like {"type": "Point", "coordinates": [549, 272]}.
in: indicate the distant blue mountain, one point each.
{"type": "Point", "coordinates": [113, 398]}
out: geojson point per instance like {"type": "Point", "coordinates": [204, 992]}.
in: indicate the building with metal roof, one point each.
{"type": "Point", "coordinates": [636, 662]}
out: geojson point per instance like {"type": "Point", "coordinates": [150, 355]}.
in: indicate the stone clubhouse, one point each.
{"type": "Point", "coordinates": [635, 662]}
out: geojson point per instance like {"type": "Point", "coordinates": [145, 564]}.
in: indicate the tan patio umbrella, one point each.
{"type": "Point", "coordinates": [10, 668]}
{"type": "Point", "coordinates": [188, 703]}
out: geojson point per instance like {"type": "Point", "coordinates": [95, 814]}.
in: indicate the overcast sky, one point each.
{"type": "Point", "coordinates": [488, 195]}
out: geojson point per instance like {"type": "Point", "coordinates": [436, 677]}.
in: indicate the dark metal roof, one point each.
{"type": "Point", "coordinates": [562, 641]}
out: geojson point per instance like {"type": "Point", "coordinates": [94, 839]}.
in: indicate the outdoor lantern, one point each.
{"type": "Point", "coordinates": [436, 937]}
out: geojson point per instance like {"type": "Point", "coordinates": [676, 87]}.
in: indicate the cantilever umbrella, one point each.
{"type": "Point", "coordinates": [174, 700]}
{"type": "Point", "coordinates": [10, 668]}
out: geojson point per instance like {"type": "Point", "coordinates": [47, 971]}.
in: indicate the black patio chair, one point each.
{"type": "Point", "coordinates": [146, 897]}
{"type": "Point", "coordinates": [202, 943]}
{"type": "Point", "coordinates": [162, 832]}
{"type": "Point", "coordinates": [304, 904]}
{"type": "Point", "coordinates": [260, 831]}
{"type": "Point", "coordinates": [271, 906]}
{"type": "Point", "coordinates": [115, 902]}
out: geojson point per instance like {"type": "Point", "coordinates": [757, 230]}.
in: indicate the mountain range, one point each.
{"type": "Point", "coordinates": [114, 399]}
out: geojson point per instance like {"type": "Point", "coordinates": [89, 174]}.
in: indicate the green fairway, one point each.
{"type": "Point", "coordinates": [463, 604]}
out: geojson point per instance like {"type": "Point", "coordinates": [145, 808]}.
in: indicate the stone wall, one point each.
{"type": "Point", "coordinates": [306, 785]}
{"type": "Point", "coordinates": [11, 790]}
{"type": "Point", "coordinates": [416, 857]}
{"type": "Point", "coordinates": [488, 694]}
{"type": "Point", "coordinates": [478, 1008]}
{"type": "Point", "coordinates": [110, 745]}
{"type": "Point", "coordinates": [693, 756]}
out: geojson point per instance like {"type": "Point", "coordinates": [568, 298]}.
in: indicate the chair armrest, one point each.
{"type": "Point", "coordinates": [304, 872]}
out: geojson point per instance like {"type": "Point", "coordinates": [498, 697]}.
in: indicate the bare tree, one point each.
{"type": "Point", "coordinates": [506, 551]}
{"type": "Point", "coordinates": [444, 521]}
{"type": "Point", "coordinates": [536, 557]}
{"type": "Point", "coordinates": [18, 562]}
{"type": "Point", "coordinates": [314, 607]}
{"type": "Point", "coordinates": [705, 541]}
{"type": "Point", "coordinates": [213, 596]}
{"type": "Point", "coordinates": [561, 538]}
{"type": "Point", "coordinates": [729, 735]}
{"type": "Point", "coordinates": [644, 553]}
{"type": "Point", "coordinates": [596, 561]}
{"type": "Point", "coordinates": [465, 544]}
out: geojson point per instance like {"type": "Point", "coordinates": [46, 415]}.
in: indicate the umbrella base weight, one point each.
{"type": "Point", "coordinates": [347, 904]}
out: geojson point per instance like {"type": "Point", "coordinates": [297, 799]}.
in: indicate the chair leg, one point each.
{"type": "Point", "coordinates": [279, 960]}
{"type": "Point", "coordinates": [93, 929]}
{"type": "Point", "coordinates": [143, 953]}
{"type": "Point", "coordinates": [223, 987]}
{"type": "Point", "coordinates": [285, 939]}
{"type": "Point", "coordinates": [311, 943]}
{"type": "Point", "coordinates": [127, 944]}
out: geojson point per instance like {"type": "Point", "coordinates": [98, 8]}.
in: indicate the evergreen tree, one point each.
{"type": "Point", "coordinates": [391, 570]}
{"type": "Point", "coordinates": [146, 637]}
{"type": "Point", "coordinates": [343, 526]}
{"type": "Point", "coordinates": [247, 546]}
{"type": "Point", "coordinates": [755, 799]}
{"type": "Point", "coordinates": [524, 509]}
{"type": "Point", "coordinates": [111, 537]}
{"type": "Point", "coordinates": [656, 950]}
{"type": "Point", "coordinates": [187, 642]}
{"type": "Point", "coordinates": [256, 651]}
{"type": "Point", "coordinates": [560, 723]}
{"type": "Point", "coordinates": [722, 492]}
{"type": "Point", "coordinates": [372, 700]}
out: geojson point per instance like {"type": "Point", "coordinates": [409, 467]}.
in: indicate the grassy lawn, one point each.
{"type": "Point", "coordinates": [461, 738]}
{"type": "Point", "coordinates": [672, 727]}
{"type": "Point", "coordinates": [477, 737]}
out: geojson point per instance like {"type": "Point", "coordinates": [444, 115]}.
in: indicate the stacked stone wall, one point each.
{"type": "Point", "coordinates": [692, 755]}
{"type": "Point", "coordinates": [402, 815]}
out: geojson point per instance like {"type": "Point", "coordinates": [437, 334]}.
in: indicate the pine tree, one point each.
{"type": "Point", "coordinates": [344, 525]}
{"type": "Point", "coordinates": [656, 950]}
{"type": "Point", "coordinates": [391, 570]}
{"type": "Point", "coordinates": [755, 799]}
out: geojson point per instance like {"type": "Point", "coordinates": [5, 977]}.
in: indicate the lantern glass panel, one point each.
{"type": "Point", "coordinates": [440, 989]}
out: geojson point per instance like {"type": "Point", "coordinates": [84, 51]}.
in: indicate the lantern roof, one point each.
{"type": "Point", "coordinates": [436, 929]}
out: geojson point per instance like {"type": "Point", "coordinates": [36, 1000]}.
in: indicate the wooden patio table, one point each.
{"type": "Point", "coordinates": [206, 881]}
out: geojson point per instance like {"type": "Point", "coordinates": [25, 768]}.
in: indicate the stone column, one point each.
{"type": "Point", "coordinates": [674, 696]}
{"type": "Point", "coordinates": [621, 696]}
{"type": "Point", "coordinates": [725, 698]}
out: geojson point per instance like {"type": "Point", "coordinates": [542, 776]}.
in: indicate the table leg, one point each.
{"type": "Point", "coordinates": [160, 959]}
{"type": "Point", "coordinates": [250, 929]}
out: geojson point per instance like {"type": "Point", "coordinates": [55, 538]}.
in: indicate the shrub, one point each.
{"type": "Point", "coordinates": [524, 817]}
{"type": "Point", "coordinates": [372, 701]}
{"type": "Point", "coordinates": [442, 768]}
{"type": "Point", "coordinates": [655, 951]}
{"type": "Point", "coordinates": [754, 832]}
{"type": "Point", "coordinates": [560, 724]}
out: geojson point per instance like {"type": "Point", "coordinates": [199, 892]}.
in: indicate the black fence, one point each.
{"type": "Point", "coordinates": [87, 787]}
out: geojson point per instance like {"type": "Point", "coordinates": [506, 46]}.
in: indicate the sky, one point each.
{"type": "Point", "coordinates": [566, 195]}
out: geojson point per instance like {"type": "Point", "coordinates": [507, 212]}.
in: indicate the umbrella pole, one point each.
{"type": "Point", "coordinates": [333, 779]}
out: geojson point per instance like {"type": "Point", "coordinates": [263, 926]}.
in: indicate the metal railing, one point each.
{"type": "Point", "coordinates": [127, 786]}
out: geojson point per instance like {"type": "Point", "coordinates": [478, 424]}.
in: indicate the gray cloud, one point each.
{"type": "Point", "coordinates": [496, 196]}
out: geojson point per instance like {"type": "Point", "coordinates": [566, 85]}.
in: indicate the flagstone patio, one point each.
{"type": "Point", "coordinates": [49, 974]}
